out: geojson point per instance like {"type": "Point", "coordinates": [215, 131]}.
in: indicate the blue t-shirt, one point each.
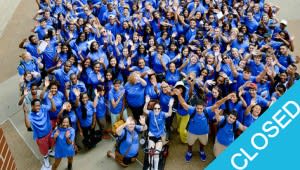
{"type": "Point", "coordinates": [198, 125]}
{"type": "Point", "coordinates": [164, 100]}
{"type": "Point", "coordinates": [238, 107]}
{"type": "Point", "coordinates": [62, 148]}
{"type": "Point", "coordinates": [249, 119]}
{"type": "Point", "coordinates": [49, 55]}
{"type": "Point", "coordinates": [31, 66]}
{"type": "Point", "coordinates": [156, 64]}
{"type": "Point", "coordinates": [132, 141]}
{"type": "Point", "coordinates": [79, 85]}
{"type": "Point", "coordinates": [135, 94]}
{"type": "Point", "coordinates": [172, 78]}
{"type": "Point", "coordinates": [157, 123]}
{"type": "Point", "coordinates": [40, 122]}
{"type": "Point", "coordinates": [225, 135]}
{"type": "Point", "coordinates": [150, 91]}
{"type": "Point", "coordinates": [114, 95]}
{"type": "Point", "coordinates": [89, 111]}
{"type": "Point", "coordinates": [59, 100]}
{"type": "Point", "coordinates": [259, 100]}
{"type": "Point", "coordinates": [32, 49]}
{"type": "Point", "coordinates": [62, 77]}
{"type": "Point", "coordinates": [255, 69]}
{"type": "Point", "coordinates": [101, 107]}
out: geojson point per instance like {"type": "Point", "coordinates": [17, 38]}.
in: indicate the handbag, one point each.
{"type": "Point", "coordinates": [117, 124]}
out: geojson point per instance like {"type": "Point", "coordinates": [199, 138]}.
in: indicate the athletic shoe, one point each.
{"type": "Point", "coordinates": [51, 152]}
{"type": "Point", "coordinates": [188, 156]}
{"type": "Point", "coordinates": [202, 156]}
{"type": "Point", "coordinates": [46, 162]}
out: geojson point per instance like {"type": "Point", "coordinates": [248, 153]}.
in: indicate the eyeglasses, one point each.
{"type": "Point", "coordinates": [157, 108]}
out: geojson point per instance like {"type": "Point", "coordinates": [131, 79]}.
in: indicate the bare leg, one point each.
{"type": "Point", "coordinates": [56, 164]}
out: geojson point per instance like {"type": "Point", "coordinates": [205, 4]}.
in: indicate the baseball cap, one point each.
{"type": "Point", "coordinates": [179, 84]}
{"type": "Point", "coordinates": [252, 86]}
{"type": "Point", "coordinates": [284, 22]}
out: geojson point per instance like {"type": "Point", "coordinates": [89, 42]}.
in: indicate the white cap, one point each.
{"type": "Point", "coordinates": [284, 22]}
{"type": "Point", "coordinates": [179, 83]}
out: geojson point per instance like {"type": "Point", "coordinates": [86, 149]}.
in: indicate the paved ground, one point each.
{"type": "Point", "coordinates": [16, 22]}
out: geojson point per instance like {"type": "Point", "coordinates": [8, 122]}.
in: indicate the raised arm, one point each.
{"type": "Point", "coordinates": [220, 102]}
{"type": "Point", "coordinates": [262, 74]}
{"type": "Point", "coordinates": [21, 45]}
{"type": "Point", "coordinates": [53, 105]}
{"type": "Point", "coordinates": [233, 69]}
{"type": "Point", "coordinates": [181, 99]}
{"type": "Point", "coordinates": [141, 80]}
{"type": "Point", "coordinates": [47, 83]}
{"type": "Point", "coordinates": [171, 102]}
{"type": "Point", "coordinates": [248, 110]}
{"type": "Point", "coordinates": [147, 100]}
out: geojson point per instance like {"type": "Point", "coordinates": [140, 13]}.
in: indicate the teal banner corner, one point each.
{"type": "Point", "coordinates": [272, 142]}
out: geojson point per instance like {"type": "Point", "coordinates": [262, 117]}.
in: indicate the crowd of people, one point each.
{"type": "Point", "coordinates": [215, 65]}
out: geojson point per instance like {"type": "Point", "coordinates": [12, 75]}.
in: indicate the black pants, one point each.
{"type": "Point", "coordinates": [136, 111]}
{"type": "Point", "coordinates": [88, 133]}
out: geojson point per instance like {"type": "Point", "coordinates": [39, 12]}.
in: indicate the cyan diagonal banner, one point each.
{"type": "Point", "coordinates": [272, 142]}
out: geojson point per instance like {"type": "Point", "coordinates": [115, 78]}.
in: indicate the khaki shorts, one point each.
{"type": "Point", "coordinates": [218, 148]}
{"type": "Point", "coordinates": [191, 138]}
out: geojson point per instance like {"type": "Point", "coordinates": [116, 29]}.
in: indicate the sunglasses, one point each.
{"type": "Point", "coordinates": [157, 108]}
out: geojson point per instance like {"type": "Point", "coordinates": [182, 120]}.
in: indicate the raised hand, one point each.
{"type": "Point", "coordinates": [50, 95]}
{"type": "Point", "coordinates": [47, 82]}
{"type": "Point", "coordinates": [171, 102]}
{"type": "Point", "coordinates": [147, 99]}
{"type": "Point", "coordinates": [67, 134]}
{"type": "Point", "coordinates": [56, 133]}
{"type": "Point", "coordinates": [76, 92]}
{"type": "Point", "coordinates": [142, 120]}
{"type": "Point", "coordinates": [25, 92]}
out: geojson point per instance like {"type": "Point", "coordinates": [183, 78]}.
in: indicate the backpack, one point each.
{"type": "Point", "coordinates": [119, 140]}
{"type": "Point", "coordinates": [21, 65]}
{"type": "Point", "coordinates": [194, 114]}
{"type": "Point", "coordinates": [224, 122]}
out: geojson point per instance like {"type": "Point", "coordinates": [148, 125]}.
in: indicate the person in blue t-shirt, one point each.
{"type": "Point", "coordinates": [31, 46]}
{"type": "Point", "coordinates": [252, 113]}
{"type": "Point", "coordinates": [86, 114]}
{"type": "Point", "coordinates": [117, 102]}
{"type": "Point", "coordinates": [157, 134]}
{"type": "Point", "coordinates": [225, 135]}
{"type": "Point", "coordinates": [64, 137]}
{"type": "Point", "coordinates": [198, 128]}
{"type": "Point", "coordinates": [127, 147]}
{"type": "Point", "coordinates": [100, 105]}
{"type": "Point", "coordinates": [39, 121]}
{"type": "Point", "coordinates": [135, 94]}
{"type": "Point", "coordinates": [62, 75]}
{"type": "Point", "coordinates": [58, 97]}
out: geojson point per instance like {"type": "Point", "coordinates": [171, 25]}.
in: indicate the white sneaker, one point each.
{"type": "Point", "coordinates": [46, 162]}
{"type": "Point", "coordinates": [51, 152]}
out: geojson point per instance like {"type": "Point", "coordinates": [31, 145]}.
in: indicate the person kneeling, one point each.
{"type": "Point", "coordinates": [127, 146]}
